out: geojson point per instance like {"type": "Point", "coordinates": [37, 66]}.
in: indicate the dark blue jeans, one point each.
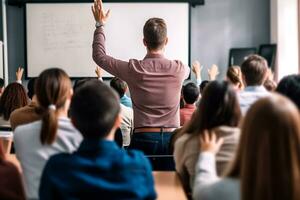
{"type": "Point", "coordinates": [151, 143]}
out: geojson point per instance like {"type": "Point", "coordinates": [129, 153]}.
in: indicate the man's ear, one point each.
{"type": "Point", "coordinates": [144, 42]}
{"type": "Point", "coordinates": [166, 41]}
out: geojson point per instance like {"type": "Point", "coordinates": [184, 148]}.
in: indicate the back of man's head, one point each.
{"type": "Point", "coordinates": [190, 93]}
{"type": "Point", "coordinates": [94, 109]}
{"type": "Point", "coordinates": [289, 86]}
{"type": "Point", "coordinates": [155, 33]}
{"type": "Point", "coordinates": [119, 85]}
{"type": "Point", "coordinates": [30, 87]}
{"type": "Point", "coordinates": [254, 70]}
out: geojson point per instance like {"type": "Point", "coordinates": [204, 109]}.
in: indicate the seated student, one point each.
{"type": "Point", "coordinates": [121, 87]}
{"type": "Point", "coordinates": [234, 76]}
{"type": "Point", "coordinates": [37, 141]}
{"type": "Point", "coordinates": [218, 112]}
{"type": "Point", "coordinates": [11, 187]}
{"type": "Point", "coordinates": [267, 164]}
{"type": "Point", "coordinates": [289, 86]}
{"type": "Point", "coordinates": [202, 86]}
{"type": "Point", "coordinates": [254, 74]}
{"type": "Point", "coordinates": [13, 97]}
{"type": "Point", "coordinates": [99, 168]}
{"type": "Point", "coordinates": [190, 94]}
{"type": "Point", "coordinates": [29, 113]}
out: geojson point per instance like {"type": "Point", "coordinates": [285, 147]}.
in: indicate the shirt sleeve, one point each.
{"type": "Point", "coordinates": [205, 173]}
{"type": "Point", "coordinates": [187, 71]}
{"type": "Point", "coordinates": [113, 66]}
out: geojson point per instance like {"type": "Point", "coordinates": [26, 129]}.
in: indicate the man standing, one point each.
{"type": "Point", "coordinates": [154, 83]}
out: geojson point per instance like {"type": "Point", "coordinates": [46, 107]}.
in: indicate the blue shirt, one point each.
{"type": "Point", "coordinates": [98, 170]}
{"type": "Point", "coordinates": [126, 101]}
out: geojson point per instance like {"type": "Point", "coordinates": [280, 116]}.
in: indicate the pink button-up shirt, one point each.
{"type": "Point", "coordinates": [154, 83]}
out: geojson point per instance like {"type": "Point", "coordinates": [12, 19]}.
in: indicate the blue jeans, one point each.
{"type": "Point", "coordinates": [151, 143]}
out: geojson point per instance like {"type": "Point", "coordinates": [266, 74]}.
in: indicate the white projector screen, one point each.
{"type": "Point", "coordinates": [61, 34]}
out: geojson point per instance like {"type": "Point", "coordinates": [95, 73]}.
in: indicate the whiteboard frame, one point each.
{"type": "Point", "coordinates": [114, 1]}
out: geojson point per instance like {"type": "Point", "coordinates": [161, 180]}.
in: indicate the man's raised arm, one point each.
{"type": "Point", "coordinates": [113, 66]}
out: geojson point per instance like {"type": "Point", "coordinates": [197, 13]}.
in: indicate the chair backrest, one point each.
{"type": "Point", "coordinates": [162, 162]}
{"type": "Point", "coordinates": [238, 55]}
{"type": "Point", "coordinates": [268, 51]}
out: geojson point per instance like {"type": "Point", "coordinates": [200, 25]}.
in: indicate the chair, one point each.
{"type": "Point", "coordinates": [269, 51]}
{"type": "Point", "coordinates": [238, 55]}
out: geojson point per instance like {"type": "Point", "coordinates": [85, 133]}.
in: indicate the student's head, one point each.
{"type": "Point", "coordinates": [2, 84]}
{"type": "Point", "coordinates": [79, 82]}
{"type": "Point", "coordinates": [202, 86]}
{"type": "Point", "coordinates": [289, 86]}
{"type": "Point", "coordinates": [234, 76]}
{"type": "Point", "coordinates": [268, 156]}
{"type": "Point", "coordinates": [218, 106]}
{"type": "Point", "coordinates": [30, 87]}
{"type": "Point", "coordinates": [53, 90]}
{"type": "Point", "coordinates": [254, 70]}
{"type": "Point", "coordinates": [95, 110]}
{"type": "Point", "coordinates": [155, 34]}
{"type": "Point", "coordinates": [190, 93]}
{"type": "Point", "coordinates": [119, 85]}
{"type": "Point", "coordinates": [13, 97]}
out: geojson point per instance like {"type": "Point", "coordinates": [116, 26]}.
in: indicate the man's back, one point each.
{"type": "Point", "coordinates": [99, 169]}
{"type": "Point", "coordinates": [154, 83]}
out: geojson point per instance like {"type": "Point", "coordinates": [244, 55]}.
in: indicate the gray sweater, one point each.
{"type": "Point", "coordinates": [33, 155]}
{"type": "Point", "coordinates": [208, 186]}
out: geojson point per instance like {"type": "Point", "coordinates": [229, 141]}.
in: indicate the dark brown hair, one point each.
{"type": "Point", "coordinates": [255, 70]}
{"type": "Point", "coordinates": [155, 33]}
{"type": "Point", "coordinates": [53, 87]}
{"type": "Point", "coordinates": [218, 106]}
{"type": "Point", "coordinates": [234, 76]}
{"type": "Point", "coordinates": [13, 97]}
{"type": "Point", "coordinates": [119, 85]}
{"type": "Point", "coordinates": [268, 156]}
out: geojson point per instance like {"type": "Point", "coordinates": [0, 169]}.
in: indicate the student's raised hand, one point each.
{"type": "Point", "coordinates": [210, 143]}
{"type": "Point", "coordinates": [99, 14]}
{"type": "Point", "coordinates": [197, 68]}
{"type": "Point", "coordinates": [213, 72]}
{"type": "Point", "coordinates": [99, 72]}
{"type": "Point", "coordinates": [19, 74]}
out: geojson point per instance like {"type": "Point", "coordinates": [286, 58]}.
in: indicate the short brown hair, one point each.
{"type": "Point", "coordinates": [119, 85]}
{"type": "Point", "coordinates": [254, 70]}
{"type": "Point", "coordinates": [155, 33]}
{"type": "Point", "coordinates": [13, 97]}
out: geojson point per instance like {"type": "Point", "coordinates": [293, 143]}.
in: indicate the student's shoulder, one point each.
{"type": "Point", "coordinates": [137, 158]}
{"type": "Point", "coordinates": [26, 129]}
{"type": "Point", "coordinates": [59, 160]}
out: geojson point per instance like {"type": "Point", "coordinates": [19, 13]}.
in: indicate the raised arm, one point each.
{"type": "Point", "coordinates": [113, 66]}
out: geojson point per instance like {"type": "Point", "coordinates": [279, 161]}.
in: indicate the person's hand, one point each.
{"type": "Point", "coordinates": [213, 72]}
{"type": "Point", "coordinates": [19, 74]}
{"type": "Point", "coordinates": [197, 68]}
{"type": "Point", "coordinates": [270, 75]}
{"type": "Point", "coordinates": [99, 72]}
{"type": "Point", "coordinates": [99, 14]}
{"type": "Point", "coordinates": [210, 143]}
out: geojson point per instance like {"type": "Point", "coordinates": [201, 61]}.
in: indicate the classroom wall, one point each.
{"type": "Point", "coordinates": [216, 27]}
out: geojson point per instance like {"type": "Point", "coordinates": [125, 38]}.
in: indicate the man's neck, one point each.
{"type": "Point", "coordinates": [159, 52]}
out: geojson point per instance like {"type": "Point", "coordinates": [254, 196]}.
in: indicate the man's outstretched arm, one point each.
{"type": "Point", "coordinates": [113, 66]}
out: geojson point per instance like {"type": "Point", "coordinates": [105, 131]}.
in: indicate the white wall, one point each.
{"type": "Point", "coordinates": [284, 32]}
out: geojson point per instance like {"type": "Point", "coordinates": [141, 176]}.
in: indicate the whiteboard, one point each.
{"type": "Point", "coordinates": [61, 34]}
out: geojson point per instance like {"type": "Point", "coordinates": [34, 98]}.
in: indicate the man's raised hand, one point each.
{"type": "Point", "coordinates": [99, 14]}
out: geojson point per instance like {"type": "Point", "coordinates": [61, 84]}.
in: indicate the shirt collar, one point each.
{"type": "Point", "coordinates": [152, 55]}
{"type": "Point", "coordinates": [96, 145]}
{"type": "Point", "coordinates": [259, 88]}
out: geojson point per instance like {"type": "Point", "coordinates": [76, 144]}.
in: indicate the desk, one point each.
{"type": "Point", "coordinates": [168, 186]}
